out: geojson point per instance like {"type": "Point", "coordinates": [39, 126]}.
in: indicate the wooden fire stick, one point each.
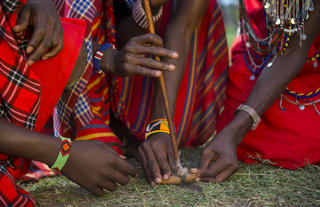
{"type": "Point", "coordinates": [163, 88]}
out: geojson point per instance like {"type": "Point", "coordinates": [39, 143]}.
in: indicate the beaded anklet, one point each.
{"type": "Point", "coordinates": [63, 155]}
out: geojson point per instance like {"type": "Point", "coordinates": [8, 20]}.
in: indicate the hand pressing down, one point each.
{"type": "Point", "coordinates": [95, 166]}
{"type": "Point", "coordinates": [221, 151]}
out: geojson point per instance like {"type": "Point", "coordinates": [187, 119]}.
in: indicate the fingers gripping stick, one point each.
{"type": "Point", "coordinates": [184, 176]}
{"type": "Point", "coordinates": [163, 87]}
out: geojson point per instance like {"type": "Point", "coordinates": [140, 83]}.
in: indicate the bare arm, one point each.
{"type": "Point", "coordinates": [157, 149]}
{"type": "Point", "coordinates": [264, 94]}
{"type": "Point", "coordinates": [178, 36]}
{"type": "Point", "coordinates": [20, 142]}
{"type": "Point", "coordinates": [282, 72]}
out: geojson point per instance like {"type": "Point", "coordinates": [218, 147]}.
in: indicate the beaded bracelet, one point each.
{"type": "Point", "coordinates": [63, 155]}
{"type": "Point", "coordinates": [157, 126]}
{"type": "Point", "coordinates": [139, 15]}
{"type": "Point", "coordinates": [98, 56]}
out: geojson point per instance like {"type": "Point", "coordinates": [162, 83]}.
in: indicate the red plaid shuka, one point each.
{"type": "Point", "coordinates": [21, 102]}
{"type": "Point", "coordinates": [17, 85]}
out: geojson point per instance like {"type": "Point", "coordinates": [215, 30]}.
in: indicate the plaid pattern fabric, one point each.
{"type": "Point", "coordinates": [19, 87]}
{"type": "Point", "coordinates": [73, 109]}
{"type": "Point", "coordinates": [10, 193]}
{"type": "Point", "coordinates": [11, 5]}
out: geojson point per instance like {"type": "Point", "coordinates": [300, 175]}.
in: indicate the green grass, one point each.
{"type": "Point", "coordinates": [252, 185]}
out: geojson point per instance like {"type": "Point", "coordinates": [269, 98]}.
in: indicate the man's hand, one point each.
{"type": "Point", "coordinates": [222, 152]}
{"type": "Point", "coordinates": [47, 37]}
{"type": "Point", "coordinates": [95, 166]}
{"type": "Point", "coordinates": [136, 57]}
{"type": "Point", "coordinates": [157, 158]}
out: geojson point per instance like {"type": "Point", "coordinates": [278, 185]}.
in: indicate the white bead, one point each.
{"type": "Point", "coordinates": [252, 77]}
{"type": "Point", "coordinates": [303, 36]}
{"type": "Point", "coordinates": [315, 64]}
{"type": "Point", "coordinates": [302, 107]}
{"type": "Point", "coordinates": [267, 5]}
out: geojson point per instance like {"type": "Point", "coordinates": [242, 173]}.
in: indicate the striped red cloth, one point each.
{"type": "Point", "coordinates": [200, 97]}
{"type": "Point", "coordinates": [201, 93]}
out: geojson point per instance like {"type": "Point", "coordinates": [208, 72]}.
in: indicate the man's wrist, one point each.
{"type": "Point", "coordinates": [49, 153]}
{"type": "Point", "coordinates": [239, 126]}
{"type": "Point", "coordinates": [107, 63]}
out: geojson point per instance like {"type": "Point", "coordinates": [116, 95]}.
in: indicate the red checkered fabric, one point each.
{"type": "Point", "coordinates": [10, 193]}
{"type": "Point", "coordinates": [20, 100]}
{"type": "Point", "coordinates": [19, 86]}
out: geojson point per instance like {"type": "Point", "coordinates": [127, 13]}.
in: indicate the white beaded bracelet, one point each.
{"type": "Point", "coordinates": [139, 15]}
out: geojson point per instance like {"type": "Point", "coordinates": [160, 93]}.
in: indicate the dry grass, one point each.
{"type": "Point", "coordinates": [252, 185]}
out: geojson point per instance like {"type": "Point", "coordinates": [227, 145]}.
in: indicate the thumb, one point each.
{"type": "Point", "coordinates": [207, 157]}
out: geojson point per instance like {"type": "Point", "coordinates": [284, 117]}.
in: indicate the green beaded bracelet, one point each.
{"type": "Point", "coordinates": [63, 154]}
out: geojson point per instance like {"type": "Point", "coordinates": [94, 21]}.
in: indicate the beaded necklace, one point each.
{"type": "Point", "coordinates": [283, 19]}
{"type": "Point", "coordinates": [260, 52]}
